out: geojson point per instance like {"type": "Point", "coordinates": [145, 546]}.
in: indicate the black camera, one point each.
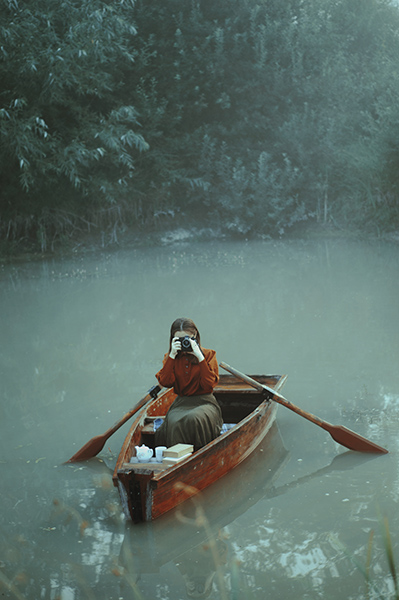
{"type": "Point", "coordinates": [186, 343]}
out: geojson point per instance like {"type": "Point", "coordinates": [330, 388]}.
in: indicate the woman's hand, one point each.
{"type": "Point", "coordinates": [175, 348]}
{"type": "Point", "coordinates": [196, 350]}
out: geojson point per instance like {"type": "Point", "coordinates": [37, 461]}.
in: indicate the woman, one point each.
{"type": "Point", "coordinates": [195, 416]}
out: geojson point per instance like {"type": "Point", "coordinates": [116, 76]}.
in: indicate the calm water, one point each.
{"type": "Point", "coordinates": [81, 341]}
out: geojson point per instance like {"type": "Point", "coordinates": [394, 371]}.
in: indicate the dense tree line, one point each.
{"type": "Point", "coordinates": [244, 115]}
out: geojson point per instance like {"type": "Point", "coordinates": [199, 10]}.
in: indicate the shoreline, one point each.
{"type": "Point", "coordinates": [87, 244]}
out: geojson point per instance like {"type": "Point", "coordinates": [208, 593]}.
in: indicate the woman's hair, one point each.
{"type": "Point", "coordinates": [184, 325]}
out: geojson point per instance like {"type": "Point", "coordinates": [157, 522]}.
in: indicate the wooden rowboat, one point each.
{"type": "Point", "coordinates": [194, 525]}
{"type": "Point", "coordinates": [148, 490]}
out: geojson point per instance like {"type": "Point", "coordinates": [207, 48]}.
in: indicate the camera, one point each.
{"type": "Point", "coordinates": [186, 343]}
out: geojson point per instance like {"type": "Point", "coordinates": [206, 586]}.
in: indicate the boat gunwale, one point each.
{"type": "Point", "coordinates": [158, 477]}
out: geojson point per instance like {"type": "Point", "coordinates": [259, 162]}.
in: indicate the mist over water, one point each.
{"type": "Point", "coordinates": [81, 341]}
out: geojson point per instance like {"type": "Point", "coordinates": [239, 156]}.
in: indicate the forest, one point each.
{"type": "Point", "coordinates": [247, 117]}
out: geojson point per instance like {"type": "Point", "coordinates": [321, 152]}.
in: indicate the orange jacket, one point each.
{"type": "Point", "coordinates": [188, 378]}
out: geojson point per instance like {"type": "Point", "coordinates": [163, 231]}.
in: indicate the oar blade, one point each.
{"type": "Point", "coordinates": [353, 441]}
{"type": "Point", "coordinates": [90, 449]}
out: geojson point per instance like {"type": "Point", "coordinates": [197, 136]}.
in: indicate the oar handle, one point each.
{"type": "Point", "coordinates": [152, 392]}
{"type": "Point", "coordinates": [340, 434]}
{"type": "Point", "coordinates": [275, 396]}
{"type": "Point", "coordinates": [96, 444]}
{"type": "Point", "coordinates": [246, 378]}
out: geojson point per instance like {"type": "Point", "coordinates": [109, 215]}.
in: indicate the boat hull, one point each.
{"type": "Point", "coordinates": [150, 490]}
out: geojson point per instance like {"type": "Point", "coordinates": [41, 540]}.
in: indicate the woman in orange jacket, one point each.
{"type": "Point", "coordinates": [195, 416]}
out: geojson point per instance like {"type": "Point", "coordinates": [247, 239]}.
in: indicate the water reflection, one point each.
{"type": "Point", "coordinates": [80, 343]}
{"type": "Point", "coordinates": [195, 536]}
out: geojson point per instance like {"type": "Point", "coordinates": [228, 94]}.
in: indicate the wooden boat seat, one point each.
{"type": "Point", "coordinates": [148, 429]}
{"type": "Point", "coordinates": [143, 467]}
{"type": "Point", "coordinates": [149, 424]}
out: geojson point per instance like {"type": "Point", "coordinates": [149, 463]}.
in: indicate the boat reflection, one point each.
{"type": "Point", "coordinates": [194, 536]}
{"type": "Point", "coordinates": [202, 542]}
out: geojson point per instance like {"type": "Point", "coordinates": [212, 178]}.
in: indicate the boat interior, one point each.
{"type": "Point", "coordinates": [236, 399]}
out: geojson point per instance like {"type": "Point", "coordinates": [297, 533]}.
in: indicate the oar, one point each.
{"type": "Point", "coordinates": [340, 434]}
{"type": "Point", "coordinates": [96, 444]}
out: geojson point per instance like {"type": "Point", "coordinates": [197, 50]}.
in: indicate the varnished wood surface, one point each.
{"type": "Point", "coordinates": [151, 491]}
{"type": "Point", "coordinates": [170, 537]}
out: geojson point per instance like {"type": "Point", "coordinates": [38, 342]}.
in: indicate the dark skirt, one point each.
{"type": "Point", "coordinates": [193, 420]}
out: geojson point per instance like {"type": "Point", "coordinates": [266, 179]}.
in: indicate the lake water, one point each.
{"type": "Point", "coordinates": [81, 340]}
